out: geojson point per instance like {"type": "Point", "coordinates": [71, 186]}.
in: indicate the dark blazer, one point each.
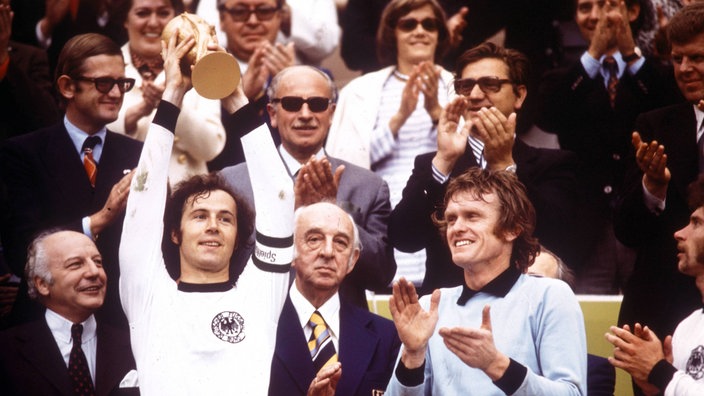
{"type": "Point", "coordinates": [47, 186]}
{"type": "Point", "coordinates": [27, 100]}
{"type": "Point", "coordinates": [31, 363]}
{"type": "Point", "coordinates": [369, 346]}
{"type": "Point", "coordinates": [657, 294]}
{"type": "Point", "coordinates": [551, 185]}
{"type": "Point", "coordinates": [601, 376]}
{"type": "Point", "coordinates": [365, 196]}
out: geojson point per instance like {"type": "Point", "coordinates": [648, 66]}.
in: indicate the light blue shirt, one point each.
{"type": "Point", "coordinates": [593, 66]}
{"type": "Point", "coordinates": [78, 137]}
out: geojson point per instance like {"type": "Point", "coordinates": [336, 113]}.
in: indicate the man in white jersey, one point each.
{"type": "Point", "coordinates": [676, 366]}
{"type": "Point", "coordinates": [205, 333]}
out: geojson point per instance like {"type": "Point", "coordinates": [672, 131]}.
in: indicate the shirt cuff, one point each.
{"type": "Point", "coordinates": [512, 378]}
{"type": "Point", "coordinates": [653, 203]}
{"type": "Point", "coordinates": [661, 374]}
{"type": "Point", "coordinates": [635, 67]}
{"type": "Point", "coordinates": [591, 65]}
{"type": "Point", "coordinates": [166, 115]}
{"type": "Point", "coordinates": [85, 222]}
{"type": "Point", "coordinates": [45, 42]}
{"type": "Point", "coordinates": [439, 176]}
{"type": "Point", "coordinates": [410, 377]}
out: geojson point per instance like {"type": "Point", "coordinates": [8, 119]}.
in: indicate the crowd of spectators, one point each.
{"type": "Point", "coordinates": [431, 169]}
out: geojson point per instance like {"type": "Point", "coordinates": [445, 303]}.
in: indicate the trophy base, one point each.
{"type": "Point", "coordinates": [216, 75]}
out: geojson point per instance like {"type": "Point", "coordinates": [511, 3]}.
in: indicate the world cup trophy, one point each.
{"type": "Point", "coordinates": [216, 74]}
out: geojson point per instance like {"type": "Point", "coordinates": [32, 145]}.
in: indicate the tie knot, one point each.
{"type": "Point", "coordinates": [76, 333]}
{"type": "Point", "coordinates": [316, 319]}
{"type": "Point", "coordinates": [610, 65]}
{"type": "Point", "coordinates": [90, 142]}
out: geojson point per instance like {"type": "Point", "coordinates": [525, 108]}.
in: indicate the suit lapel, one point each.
{"type": "Point", "coordinates": [39, 348]}
{"type": "Point", "coordinates": [64, 165]}
{"type": "Point", "coordinates": [292, 351]}
{"type": "Point", "coordinates": [681, 146]}
{"type": "Point", "coordinates": [357, 346]}
{"type": "Point", "coordinates": [112, 361]}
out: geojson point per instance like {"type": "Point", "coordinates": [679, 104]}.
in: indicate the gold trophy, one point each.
{"type": "Point", "coordinates": [215, 73]}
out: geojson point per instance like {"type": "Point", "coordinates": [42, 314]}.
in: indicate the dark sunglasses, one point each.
{"type": "Point", "coordinates": [486, 84]}
{"type": "Point", "coordinates": [410, 24]}
{"type": "Point", "coordinates": [316, 104]}
{"type": "Point", "coordinates": [242, 14]}
{"type": "Point", "coordinates": [105, 84]}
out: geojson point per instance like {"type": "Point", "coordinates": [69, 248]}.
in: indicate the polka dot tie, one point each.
{"type": "Point", "coordinates": [612, 68]}
{"type": "Point", "coordinates": [322, 350]}
{"type": "Point", "coordinates": [78, 370]}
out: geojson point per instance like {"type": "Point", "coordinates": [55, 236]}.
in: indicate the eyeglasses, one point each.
{"type": "Point", "coordinates": [105, 84]}
{"type": "Point", "coordinates": [316, 104]}
{"type": "Point", "coordinates": [410, 24]}
{"type": "Point", "coordinates": [242, 14]}
{"type": "Point", "coordinates": [486, 84]}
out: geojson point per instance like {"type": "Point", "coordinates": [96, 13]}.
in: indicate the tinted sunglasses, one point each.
{"type": "Point", "coordinates": [410, 24]}
{"type": "Point", "coordinates": [316, 104]}
{"type": "Point", "coordinates": [486, 84]}
{"type": "Point", "coordinates": [242, 14]}
{"type": "Point", "coordinates": [104, 84]}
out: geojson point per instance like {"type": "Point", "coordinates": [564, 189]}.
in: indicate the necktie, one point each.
{"type": "Point", "coordinates": [78, 371]}
{"type": "Point", "coordinates": [88, 161]}
{"type": "Point", "coordinates": [700, 145]}
{"type": "Point", "coordinates": [612, 68]}
{"type": "Point", "coordinates": [322, 350]}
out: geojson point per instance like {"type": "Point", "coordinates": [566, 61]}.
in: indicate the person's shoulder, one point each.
{"type": "Point", "coordinates": [38, 137]}
{"type": "Point", "coordinates": [667, 110]}
{"type": "Point", "coordinates": [356, 171]}
{"type": "Point", "coordinates": [118, 138]}
{"type": "Point", "coordinates": [527, 153]}
{"type": "Point", "coordinates": [233, 170]}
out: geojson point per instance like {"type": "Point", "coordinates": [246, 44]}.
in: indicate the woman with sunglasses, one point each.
{"type": "Point", "coordinates": [386, 118]}
{"type": "Point", "coordinates": [200, 135]}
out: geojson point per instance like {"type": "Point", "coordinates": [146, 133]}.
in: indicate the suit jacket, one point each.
{"type": "Point", "coordinates": [47, 186]}
{"type": "Point", "coordinates": [26, 94]}
{"type": "Point", "coordinates": [368, 343]}
{"type": "Point", "coordinates": [548, 176]}
{"type": "Point", "coordinates": [365, 196]}
{"type": "Point", "coordinates": [601, 376]}
{"type": "Point", "coordinates": [657, 294]}
{"type": "Point", "coordinates": [31, 363]}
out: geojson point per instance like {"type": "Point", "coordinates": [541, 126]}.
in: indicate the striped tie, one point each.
{"type": "Point", "coordinates": [612, 68]}
{"type": "Point", "coordinates": [88, 160]}
{"type": "Point", "coordinates": [322, 350]}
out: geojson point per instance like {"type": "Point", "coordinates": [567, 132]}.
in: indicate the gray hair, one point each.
{"type": "Point", "coordinates": [274, 85]}
{"type": "Point", "coordinates": [38, 262]}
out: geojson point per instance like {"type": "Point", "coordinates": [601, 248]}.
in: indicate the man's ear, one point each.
{"type": "Point", "coordinates": [355, 257]}
{"type": "Point", "coordinates": [42, 286]}
{"type": "Point", "coordinates": [271, 109]}
{"type": "Point", "coordinates": [522, 92]}
{"type": "Point", "coordinates": [175, 238]}
{"type": "Point", "coordinates": [66, 87]}
{"type": "Point", "coordinates": [633, 12]}
{"type": "Point", "coordinates": [511, 236]}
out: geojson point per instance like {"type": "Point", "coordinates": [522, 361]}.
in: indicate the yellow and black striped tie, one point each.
{"type": "Point", "coordinates": [322, 350]}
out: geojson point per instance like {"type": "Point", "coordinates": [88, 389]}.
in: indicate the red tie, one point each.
{"type": "Point", "coordinates": [612, 68]}
{"type": "Point", "coordinates": [78, 370]}
{"type": "Point", "coordinates": [73, 8]}
{"type": "Point", "coordinates": [88, 161]}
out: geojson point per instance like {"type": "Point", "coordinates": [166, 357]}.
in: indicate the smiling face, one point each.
{"type": "Point", "coordinates": [506, 100]}
{"type": "Point", "coordinates": [325, 251]}
{"type": "Point", "coordinates": [688, 63]}
{"type": "Point", "coordinates": [87, 108]}
{"type": "Point", "coordinates": [302, 132]}
{"type": "Point", "coordinates": [145, 22]}
{"type": "Point", "coordinates": [690, 245]}
{"type": "Point", "coordinates": [207, 237]}
{"type": "Point", "coordinates": [418, 45]}
{"type": "Point", "coordinates": [78, 281]}
{"type": "Point", "coordinates": [471, 232]}
{"type": "Point", "coordinates": [245, 37]}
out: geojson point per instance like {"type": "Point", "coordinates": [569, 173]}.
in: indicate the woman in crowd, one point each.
{"type": "Point", "coordinates": [386, 118]}
{"type": "Point", "coordinates": [200, 135]}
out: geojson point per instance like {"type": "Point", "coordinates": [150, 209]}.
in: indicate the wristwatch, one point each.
{"type": "Point", "coordinates": [635, 55]}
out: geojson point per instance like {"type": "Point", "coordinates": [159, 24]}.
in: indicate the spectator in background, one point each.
{"type": "Point", "coordinates": [384, 119]}
{"type": "Point", "coordinates": [27, 101]}
{"type": "Point", "coordinates": [301, 107]}
{"type": "Point", "coordinates": [654, 202]}
{"type": "Point", "coordinates": [477, 129]}
{"type": "Point", "coordinates": [65, 273]}
{"type": "Point", "coordinates": [72, 174]}
{"type": "Point", "coordinates": [49, 24]}
{"type": "Point", "coordinates": [200, 135]}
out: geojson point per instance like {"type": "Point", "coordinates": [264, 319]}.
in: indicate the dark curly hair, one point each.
{"type": "Point", "coordinates": [200, 186]}
{"type": "Point", "coordinates": [517, 213]}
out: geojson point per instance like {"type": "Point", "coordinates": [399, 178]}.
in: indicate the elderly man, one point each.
{"type": "Point", "coordinates": [302, 101]}
{"type": "Point", "coordinates": [67, 352]}
{"type": "Point", "coordinates": [675, 366]}
{"type": "Point", "coordinates": [502, 331]}
{"type": "Point", "coordinates": [477, 130]}
{"type": "Point", "coordinates": [366, 345]}
{"type": "Point", "coordinates": [72, 174]}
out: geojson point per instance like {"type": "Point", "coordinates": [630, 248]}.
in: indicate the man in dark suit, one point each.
{"type": "Point", "coordinates": [44, 173]}
{"type": "Point", "coordinates": [654, 203]}
{"type": "Point", "coordinates": [366, 345]}
{"type": "Point", "coordinates": [592, 111]}
{"type": "Point", "coordinates": [65, 274]}
{"type": "Point", "coordinates": [301, 107]}
{"type": "Point", "coordinates": [491, 87]}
